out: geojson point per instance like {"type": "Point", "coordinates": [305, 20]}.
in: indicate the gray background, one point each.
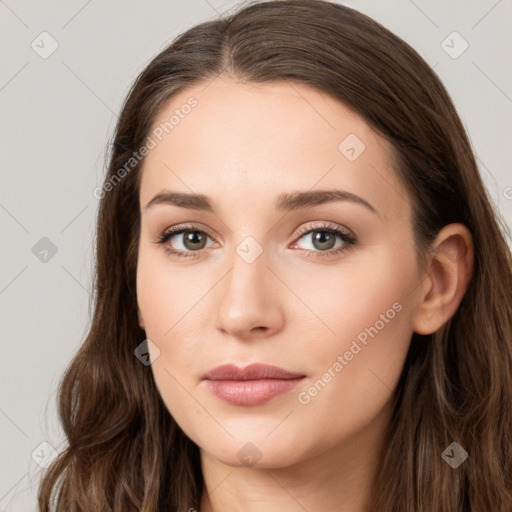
{"type": "Point", "coordinates": [57, 114]}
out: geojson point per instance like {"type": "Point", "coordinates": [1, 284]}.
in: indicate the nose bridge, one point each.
{"type": "Point", "coordinates": [250, 249]}
{"type": "Point", "coordinates": [248, 297]}
{"type": "Point", "coordinates": [248, 277]}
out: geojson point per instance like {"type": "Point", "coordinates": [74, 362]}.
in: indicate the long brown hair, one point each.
{"type": "Point", "coordinates": [125, 452]}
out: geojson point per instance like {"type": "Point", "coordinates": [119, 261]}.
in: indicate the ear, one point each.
{"type": "Point", "coordinates": [450, 267]}
{"type": "Point", "coordinates": [141, 320]}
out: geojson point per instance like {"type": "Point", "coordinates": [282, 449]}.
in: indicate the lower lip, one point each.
{"type": "Point", "coordinates": [250, 392]}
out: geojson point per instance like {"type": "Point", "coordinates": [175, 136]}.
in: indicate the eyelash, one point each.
{"type": "Point", "coordinates": [348, 239]}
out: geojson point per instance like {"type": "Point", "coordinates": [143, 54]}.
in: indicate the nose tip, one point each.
{"type": "Point", "coordinates": [247, 301]}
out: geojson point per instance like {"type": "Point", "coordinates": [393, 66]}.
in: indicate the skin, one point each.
{"type": "Point", "coordinates": [243, 145]}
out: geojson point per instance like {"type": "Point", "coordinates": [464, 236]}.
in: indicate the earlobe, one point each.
{"type": "Point", "coordinates": [450, 267]}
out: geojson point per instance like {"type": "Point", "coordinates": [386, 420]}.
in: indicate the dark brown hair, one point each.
{"type": "Point", "coordinates": [125, 452]}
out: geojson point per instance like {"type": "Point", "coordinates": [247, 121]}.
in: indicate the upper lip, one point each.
{"type": "Point", "coordinates": [252, 372]}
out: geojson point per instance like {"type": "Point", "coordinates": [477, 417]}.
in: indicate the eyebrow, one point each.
{"type": "Point", "coordinates": [285, 202]}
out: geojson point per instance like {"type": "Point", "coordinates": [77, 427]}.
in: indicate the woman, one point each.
{"type": "Point", "coordinates": [302, 290]}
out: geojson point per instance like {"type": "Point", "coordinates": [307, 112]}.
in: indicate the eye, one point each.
{"type": "Point", "coordinates": [194, 240]}
{"type": "Point", "coordinates": [323, 240]}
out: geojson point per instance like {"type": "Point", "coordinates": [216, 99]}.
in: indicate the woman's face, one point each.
{"type": "Point", "coordinates": [265, 277]}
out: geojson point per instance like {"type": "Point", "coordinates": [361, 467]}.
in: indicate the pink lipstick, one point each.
{"type": "Point", "coordinates": [253, 385]}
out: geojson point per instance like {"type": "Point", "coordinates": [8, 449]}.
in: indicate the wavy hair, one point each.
{"type": "Point", "coordinates": [124, 452]}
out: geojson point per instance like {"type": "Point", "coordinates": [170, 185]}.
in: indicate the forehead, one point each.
{"type": "Point", "coordinates": [246, 141]}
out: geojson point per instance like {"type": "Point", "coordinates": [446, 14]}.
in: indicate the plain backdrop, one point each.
{"type": "Point", "coordinates": [65, 69]}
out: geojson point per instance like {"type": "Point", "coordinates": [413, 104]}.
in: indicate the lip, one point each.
{"type": "Point", "coordinates": [255, 371]}
{"type": "Point", "coordinates": [253, 385]}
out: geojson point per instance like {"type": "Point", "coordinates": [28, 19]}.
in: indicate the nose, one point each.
{"type": "Point", "coordinates": [247, 301]}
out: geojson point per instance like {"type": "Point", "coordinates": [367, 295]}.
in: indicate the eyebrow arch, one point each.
{"type": "Point", "coordinates": [297, 200]}
{"type": "Point", "coordinates": [284, 202]}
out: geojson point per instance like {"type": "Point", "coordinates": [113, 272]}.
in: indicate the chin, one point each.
{"type": "Point", "coordinates": [256, 453]}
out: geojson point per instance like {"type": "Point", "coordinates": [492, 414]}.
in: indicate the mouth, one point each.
{"type": "Point", "coordinates": [253, 385]}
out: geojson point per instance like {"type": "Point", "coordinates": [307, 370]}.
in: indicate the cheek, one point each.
{"type": "Point", "coordinates": [168, 300]}
{"type": "Point", "coordinates": [165, 294]}
{"type": "Point", "coordinates": [356, 376]}
{"type": "Point", "coordinates": [348, 298]}
{"type": "Point", "coordinates": [161, 302]}
{"type": "Point", "coordinates": [357, 368]}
